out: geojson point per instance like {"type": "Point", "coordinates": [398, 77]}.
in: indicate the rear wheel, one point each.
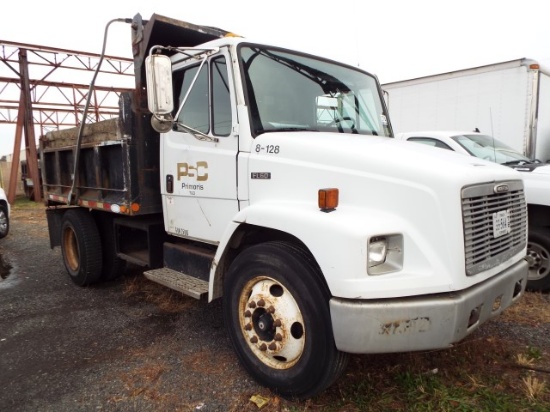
{"type": "Point", "coordinates": [81, 247]}
{"type": "Point", "coordinates": [538, 256]}
{"type": "Point", "coordinates": [277, 315]}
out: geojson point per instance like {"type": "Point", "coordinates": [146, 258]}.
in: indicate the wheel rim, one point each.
{"type": "Point", "coordinates": [3, 222]}
{"type": "Point", "coordinates": [70, 247]}
{"type": "Point", "coordinates": [539, 261]}
{"type": "Point", "coordinates": [271, 322]}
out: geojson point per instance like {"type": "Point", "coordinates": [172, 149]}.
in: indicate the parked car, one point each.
{"type": "Point", "coordinates": [536, 179]}
{"type": "Point", "coordinates": [4, 214]}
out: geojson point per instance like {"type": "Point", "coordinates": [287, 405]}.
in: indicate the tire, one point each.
{"type": "Point", "coordinates": [112, 266]}
{"type": "Point", "coordinates": [4, 222]}
{"type": "Point", "coordinates": [538, 256]}
{"type": "Point", "coordinates": [277, 315]}
{"type": "Point", "coordinates": [81, 247]}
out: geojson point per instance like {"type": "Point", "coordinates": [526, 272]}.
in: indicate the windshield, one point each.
{"type": "Point", "coordinates": [489, 148]}
{"type": "Point", "coordinates": [287, 91]}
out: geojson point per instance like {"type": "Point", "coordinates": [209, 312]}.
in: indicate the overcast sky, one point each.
{"type": "Point", "coordinates": [394, 39]}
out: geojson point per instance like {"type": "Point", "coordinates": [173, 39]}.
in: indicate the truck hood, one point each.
{"type": "Point", "coordinates": [377, 175]}
{"type": "Point", "coordinates": [379, 156]}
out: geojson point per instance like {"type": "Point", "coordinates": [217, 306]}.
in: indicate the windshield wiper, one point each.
{"type": "Point", "coordinates": [290, 129]}
{"type": "Point", "coordinates": [515, 162]}
{"type": "Point", "coordinates": [519, 162]}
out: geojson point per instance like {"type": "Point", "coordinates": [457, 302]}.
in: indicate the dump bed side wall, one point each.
{"type": "Point", "coordinates": [119, 165]}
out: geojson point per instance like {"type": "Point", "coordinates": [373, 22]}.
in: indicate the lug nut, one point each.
{"type": "Point", "coordinates": [263, 347]}
{"type": "Point", "coordinates": [247, 314]}
{"type": "Point", "coordinates": [254, 339]}
{"type": "Point", "coordinates": [261, 303]}
{"type": "Point", "coordinates": [248, 326]}
{"type": "Point", "coordinates": [271, 309]}
{"type": "Point", "coordinates": [277, 323]}
{"type": "Point", "coordinates": [278, 337]}
{"type": "Point", "coordinates": [252, 305]}
{"type": "Point", "coordinates": [272, 346]}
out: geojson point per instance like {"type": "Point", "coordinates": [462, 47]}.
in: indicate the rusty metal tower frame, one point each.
{"type": "Point", "coordinates": [41, 94]}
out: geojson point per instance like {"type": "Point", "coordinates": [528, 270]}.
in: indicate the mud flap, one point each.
{"type": "Point", "coordinates": [54, 226]}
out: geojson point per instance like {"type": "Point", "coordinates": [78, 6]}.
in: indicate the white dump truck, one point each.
{"type": "Point", "coordinates": [271, 179]}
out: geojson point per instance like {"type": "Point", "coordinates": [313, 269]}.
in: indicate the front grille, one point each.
{"type": "Point", "coordinates": [479, 204]}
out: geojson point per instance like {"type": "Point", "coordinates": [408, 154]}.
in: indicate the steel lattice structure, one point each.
{"type": "Point", "coordinates": [44, 88]}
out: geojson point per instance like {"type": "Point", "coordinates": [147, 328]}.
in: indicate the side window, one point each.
{"type": "Point", "coordinates": [221, 102]}
{"type": "Point", "coordinates": [195, 110]}
{"type": "Point", "coordinates": [430, 142]}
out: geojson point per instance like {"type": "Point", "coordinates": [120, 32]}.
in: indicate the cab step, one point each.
{"type": "Point", "coordinates": [188, 285]}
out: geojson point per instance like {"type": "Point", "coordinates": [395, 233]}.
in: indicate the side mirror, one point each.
{"type": "Point", "coordinates": [160, 98]}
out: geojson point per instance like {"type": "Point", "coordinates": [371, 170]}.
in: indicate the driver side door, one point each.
{"type": "Point", "coordinates": [199, 187]}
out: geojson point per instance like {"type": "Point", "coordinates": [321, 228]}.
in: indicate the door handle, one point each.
{"type": "Point", "coordinates": [169, 183]}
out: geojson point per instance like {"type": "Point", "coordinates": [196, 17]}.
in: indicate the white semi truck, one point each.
{"type": "Point", "coordinates": [509, 101]}
{"type": "Point", "coordinates": [269, 178]}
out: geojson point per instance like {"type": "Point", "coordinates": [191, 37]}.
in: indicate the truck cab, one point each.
{"type": "Point", "coordinates": [222, 127]}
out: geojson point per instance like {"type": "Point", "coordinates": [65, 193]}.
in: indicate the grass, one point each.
{"type": "Point", "coordinates": [22, 202]}
{"type": "Point", "coordinates": [478, 374]}
{"type": "Point", "coordinates": [533, 309]}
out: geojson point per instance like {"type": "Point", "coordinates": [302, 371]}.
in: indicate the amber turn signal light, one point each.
{"type": "Point", "coordinates": [328, 199]}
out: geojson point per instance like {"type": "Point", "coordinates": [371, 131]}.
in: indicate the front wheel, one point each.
{"type": "Point", "coordinates": [277, 315]}
{"type": "Point", "coordinates": [538, 256]}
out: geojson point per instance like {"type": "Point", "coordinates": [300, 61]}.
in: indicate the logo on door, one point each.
{"type": "Point", "coordinates": [198, 171]}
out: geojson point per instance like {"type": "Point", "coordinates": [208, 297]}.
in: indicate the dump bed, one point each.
{"type": "Point", "coordinates": [118, 166]}
{"type": "Point", "coordinates": [117, 160]}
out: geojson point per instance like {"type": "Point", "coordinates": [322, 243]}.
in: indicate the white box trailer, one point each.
{"type": "Point", "coordinates": [508, 100]}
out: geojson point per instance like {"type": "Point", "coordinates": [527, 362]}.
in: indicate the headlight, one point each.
{"type": "Point", "coordinates": [384, 254]}
{"type": "Point", "coordinates": [378, 247]}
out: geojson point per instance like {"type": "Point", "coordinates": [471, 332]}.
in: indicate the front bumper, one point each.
{"type": "Point", "coordinates": [426, 322]}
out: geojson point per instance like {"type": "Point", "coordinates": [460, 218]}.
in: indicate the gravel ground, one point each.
{"type": "Point", "coordinates": [110, 348]}
{"type": "Point", "coordinates": [66, 348]}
